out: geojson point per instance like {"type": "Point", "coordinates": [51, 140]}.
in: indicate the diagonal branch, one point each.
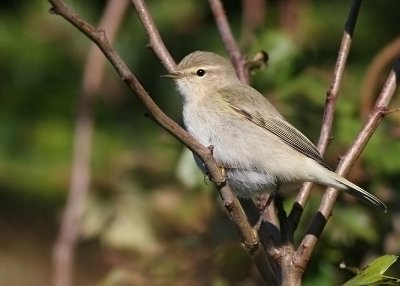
{"type": "Point", "coordinates": [155, 42]}
{"type": "Point", "coordinates": [331, 98]}
{"type": "Point", "coordinates": [325, 210]}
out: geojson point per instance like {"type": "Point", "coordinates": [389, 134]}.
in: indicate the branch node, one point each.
{"type": "Point", "coordinates": [299, 265]}
{"type": "Point", "coordinates": [330, 95]}
{"type": "Point", "coordinates": [127, 78]}
{"type": "Point", "coordinates": [221, 183]}
{"type": "Point", "coordinates": [102, 34]}
{"type": "Point", "coordinates": [383, 110]}
{"type": "Point", "coordinates": [229, 205]}
{"type": "Point", "coordinates": [251, 247]}
{"type": "Point", "coordinates": [53, 11]}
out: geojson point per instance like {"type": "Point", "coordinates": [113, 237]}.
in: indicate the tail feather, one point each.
{"type": "Point", "coordinates": [360, 194]}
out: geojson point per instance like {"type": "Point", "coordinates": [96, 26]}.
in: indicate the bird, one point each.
{"type": "Point", "coordinates": [259, 151]}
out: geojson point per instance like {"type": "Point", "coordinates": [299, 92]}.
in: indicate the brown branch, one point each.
{"type": "Point", "coordinates": [63, 253]}
{"type": "Point", "coordinates": [238, 60]}
{"type": "Point", "coordinates": [155, 42]}
{"type": "Point", "coordinates": [325, 210]}
{"type": "Point", "coordinates": [331, 98]}
{"type": "Point", "coordinates": [289, 15]}
{"type": "Point", "coordinates": [251, 240]}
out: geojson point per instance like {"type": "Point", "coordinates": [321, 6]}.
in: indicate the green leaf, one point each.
{"type": "Point", "coordinates": [373, 273]}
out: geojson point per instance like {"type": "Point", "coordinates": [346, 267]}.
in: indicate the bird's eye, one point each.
{"type": "Point", "coordinates": [200, 72]}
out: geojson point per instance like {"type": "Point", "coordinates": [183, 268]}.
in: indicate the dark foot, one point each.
{"type": "Point", "coordinates": [264, 206]}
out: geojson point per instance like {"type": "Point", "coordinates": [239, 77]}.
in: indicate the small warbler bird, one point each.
{"type": "Point", "coordinates": [258, 149]}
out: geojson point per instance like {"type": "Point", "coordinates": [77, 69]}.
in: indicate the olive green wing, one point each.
{"type": "Point", "coordinates": [260, 114]}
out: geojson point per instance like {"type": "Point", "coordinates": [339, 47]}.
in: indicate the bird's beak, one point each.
{"type": "Point", "coordinates": [173, 75]}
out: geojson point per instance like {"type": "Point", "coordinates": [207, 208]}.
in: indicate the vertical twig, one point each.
{"type": "Point", "coordinates": [238, 60]}
{"type": "Point", "coordinates": [253, 17]}
{"type": "Point", "coordinates": [63, 253]}
{"type": "Point", "coordinates": [331, 98]}
{"type": "Point", "coordinates": [289, 15]}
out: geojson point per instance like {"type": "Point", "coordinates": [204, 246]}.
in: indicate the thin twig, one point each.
{"type": "Point", "coordinates": [238, 60]}
{"type": "Point", "coordinates": [155, 41]}
{"type": "Point", "coordinates": [325, 210]}
{"type": "Point", "coordinates": [331, 98]}
{"type": "Point", "coordinates": [63, 253]}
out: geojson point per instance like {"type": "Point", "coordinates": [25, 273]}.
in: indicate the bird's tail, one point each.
{"type": "Point", "coordinates": [357, 192]}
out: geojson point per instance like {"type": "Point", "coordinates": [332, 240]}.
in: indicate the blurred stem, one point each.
{"type": "Point", "coordinates": [63, 253]}
{"type": "Point", "coordinates": [373, 77]}
{"type": "Point", "coordinates": [289, 15]}
{"type": "Point", "coordinates": [253, 17]}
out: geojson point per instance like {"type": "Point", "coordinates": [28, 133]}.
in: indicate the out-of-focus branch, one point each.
{"type": "Point", "coordinates": [331, 98]}
{"type": "Point", "coordinates": [289, 14]}
{"type": "Point", "coordinates": [253, 17]}
{"type": "Point", "coordinates": [373, 78]}
{"type": "Point", "coordinates": [63, 253]}
{"type": "Point", "coordinates": [325, 210]}
{"type": "Point", "coordinates": [231, 46]}
{"type": "Point", "coordinates": [250, 237]}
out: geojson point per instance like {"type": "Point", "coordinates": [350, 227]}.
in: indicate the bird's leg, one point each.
{"type": "Point", "coordinates": [206, 173]}
{"type": "Point", "coordinates": [263, 207]}
{"type": "Point", "coordinates": [221, 167]}
{"type": "Point", "coordinates": [211, 149]}
{"type": "Point", "coordinates": [279, 206]}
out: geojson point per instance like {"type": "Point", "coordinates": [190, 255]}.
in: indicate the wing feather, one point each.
{"type": "Point", "coordinates": [273, 122]}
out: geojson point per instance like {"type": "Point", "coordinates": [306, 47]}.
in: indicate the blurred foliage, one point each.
{"type": "Point", "coordinates": [150, 218]}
